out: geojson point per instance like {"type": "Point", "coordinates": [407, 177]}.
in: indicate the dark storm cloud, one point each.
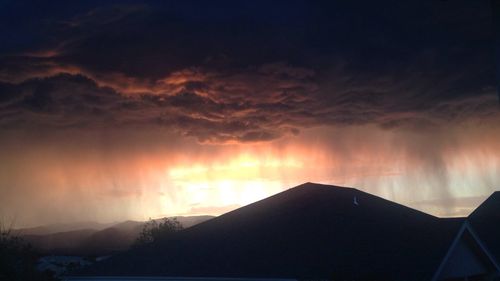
{"type": "Point", "coordinates": [246, 72]}
{"type": "Point", "coordinates": [213, 114]}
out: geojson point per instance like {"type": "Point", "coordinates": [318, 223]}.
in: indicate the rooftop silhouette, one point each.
{"type": "Point", "coordinates": [309, 231]}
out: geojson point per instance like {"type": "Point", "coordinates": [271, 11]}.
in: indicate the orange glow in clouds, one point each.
{"type": "Point", "coordinates": [240, 181]}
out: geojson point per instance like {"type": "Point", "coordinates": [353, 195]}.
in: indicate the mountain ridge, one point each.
{"type": "Point", "coordinates": [90, 241]}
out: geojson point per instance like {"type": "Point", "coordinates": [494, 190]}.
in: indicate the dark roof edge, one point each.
{"type": "Point", "coordinates": [358, 190]}
{"type": "Point", "coordinates": [485, 200]}
{"type": "Point", "coordinates": [465, 226]}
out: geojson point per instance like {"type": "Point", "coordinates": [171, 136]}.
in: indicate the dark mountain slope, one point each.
{"type": "Point", "coordinates": [62, 243]}
{"type": "Point", "coordinates": [310, 231]}
{"type": "Point", "coordinates": [61, 227]}
{"type": "Point", "coordinates": [83, 242]}
{"type": "Point", "coordinates": [109, 240]}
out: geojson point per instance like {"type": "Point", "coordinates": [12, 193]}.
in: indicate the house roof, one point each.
{"type": "Point", "coordinates": [466, 234]}
{"type": "Point", "coordinates": [486, 222]}
{"type": "Point", "coordinates": [311, 231]}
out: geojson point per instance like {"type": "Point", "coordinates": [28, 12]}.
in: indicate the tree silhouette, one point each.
{"type": "Point", "coordinates": [18, 259]}
{"type": "Point", "coordinates": [155, 231]}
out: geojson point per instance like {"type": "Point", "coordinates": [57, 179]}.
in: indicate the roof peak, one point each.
{"type": "Point", "coordinates": [322, 185]}
{"type": "Point", "coordinates": [488, 206]}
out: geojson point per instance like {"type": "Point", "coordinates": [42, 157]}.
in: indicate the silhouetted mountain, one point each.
{"type": "Point", "coordinates": [486, 221]}
{"type": "Point", "coordinates": [62, 227]}
{"type": "Point", "coordinates": [118, 237]}
{"type": "Point", "coordinates": [59, 243]}
{"type": "Point", "coordinates": [310, 231]}
{"type": "Point", "coordinates": [111, 239]}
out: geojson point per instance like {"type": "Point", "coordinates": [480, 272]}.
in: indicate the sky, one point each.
{"type": "Point", "coordinates": [115, 110]}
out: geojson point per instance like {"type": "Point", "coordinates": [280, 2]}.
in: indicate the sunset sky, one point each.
{"type": "Point", "coordinates": [114, 110]}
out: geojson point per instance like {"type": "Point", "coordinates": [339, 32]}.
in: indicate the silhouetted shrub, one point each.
{"type": "Point", "coordinates": [18, 259]}
{"type": "Point", "coordinates": [155, 231]}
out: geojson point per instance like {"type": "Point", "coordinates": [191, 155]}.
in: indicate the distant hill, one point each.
{"type": "Point", "coordinates": [311, 231]}
{"type": "Point", "coordinates": [62, 227]}
{"type": "Point", "coordinates": [92, 241]}
{"type": "Point", "coordinates": [60, 243]}
{"type": "Point", "coordinates": [120, 236]}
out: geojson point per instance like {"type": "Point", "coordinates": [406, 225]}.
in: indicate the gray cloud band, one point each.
{"type": "Point", "coordinates": [251, 105]}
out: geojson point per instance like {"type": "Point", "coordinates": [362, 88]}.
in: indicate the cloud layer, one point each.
{"type": "Point", "coordinates": [262, 104]}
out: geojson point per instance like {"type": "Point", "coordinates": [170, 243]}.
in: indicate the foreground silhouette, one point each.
{"type": "Point", "coordinates": [313, 232]}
